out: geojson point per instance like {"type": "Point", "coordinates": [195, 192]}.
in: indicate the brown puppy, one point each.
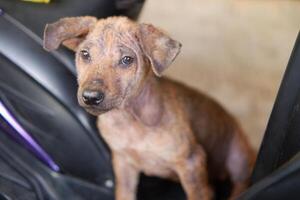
{"type": "Point", "coordinates": [152, 125]}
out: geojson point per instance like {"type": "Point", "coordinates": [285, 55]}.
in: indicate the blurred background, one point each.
{"type": "Point", "coordinates": [234, 50]}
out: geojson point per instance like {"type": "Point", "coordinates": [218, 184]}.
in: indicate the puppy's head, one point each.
{"type": "Point", "coordinates": [114, 56]}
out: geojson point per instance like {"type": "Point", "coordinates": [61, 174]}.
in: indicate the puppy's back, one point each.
{"type": "Point", "coordinates": [212, 125]}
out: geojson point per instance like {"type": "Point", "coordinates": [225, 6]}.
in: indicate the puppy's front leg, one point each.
{"type": "Point", "coordinates": [193, 176]}
{"type": "Point", "coordinates": [126, 178]}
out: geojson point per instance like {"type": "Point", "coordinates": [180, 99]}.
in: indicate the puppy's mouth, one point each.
{"type": "Point", "coordinates": [94, 110]}
{"type": "Point", "coordinates": [100, 108]}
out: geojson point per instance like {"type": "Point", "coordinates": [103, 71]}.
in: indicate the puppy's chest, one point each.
{"type": "Point", "coordinates": [121, 131]}
{"type": "Point", "coordinates": [151, 149]}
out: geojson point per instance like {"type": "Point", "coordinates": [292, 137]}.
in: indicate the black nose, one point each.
{"type": "Point", "coordinates": [92, 97]}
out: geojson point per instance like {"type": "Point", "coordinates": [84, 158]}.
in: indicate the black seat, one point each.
{"type": "Point", "coordinates": [277, 171]}
{"type": "Point", "coordinates": [35, 15]}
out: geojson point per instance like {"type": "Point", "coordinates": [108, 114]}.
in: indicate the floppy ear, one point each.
{"type": "Point", "coordinates": [160, 49]}
{"type": "Point", "coordinates": [70, 31]}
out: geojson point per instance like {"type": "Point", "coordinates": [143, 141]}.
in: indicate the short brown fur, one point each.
{"type": "Point", "coordinates": [152, 125]}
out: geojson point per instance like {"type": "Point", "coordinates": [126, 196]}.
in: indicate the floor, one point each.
{"type": "Point", "coordinates": [234, 50]}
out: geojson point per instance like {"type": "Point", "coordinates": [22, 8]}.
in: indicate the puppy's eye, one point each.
{"type": "Point", "coordinates": [127, 60]}
{"type": "Point", "coordinates": [85, 55]}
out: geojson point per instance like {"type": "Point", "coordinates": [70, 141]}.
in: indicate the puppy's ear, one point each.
{"type": "Point", "coordinates": [70, 31]}
{"type": "Point", "coordinates": [160, 49]}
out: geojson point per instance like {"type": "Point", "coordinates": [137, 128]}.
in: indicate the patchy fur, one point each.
{"type": "Point", "coordinates": [152, 125]}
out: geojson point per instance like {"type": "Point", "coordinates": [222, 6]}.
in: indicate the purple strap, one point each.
{"type": "Point", "coordinates": [24, 137]}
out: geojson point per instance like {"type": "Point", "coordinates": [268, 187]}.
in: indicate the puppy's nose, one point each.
{"type": "Point", "coordinates": [92, 97]}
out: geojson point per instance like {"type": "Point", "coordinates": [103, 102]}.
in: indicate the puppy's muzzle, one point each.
{"type": "Point", "coordinates": [92, 97]}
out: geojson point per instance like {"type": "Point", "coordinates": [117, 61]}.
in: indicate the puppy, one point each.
{"type": "Point", "coordinates": [152, 125]}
